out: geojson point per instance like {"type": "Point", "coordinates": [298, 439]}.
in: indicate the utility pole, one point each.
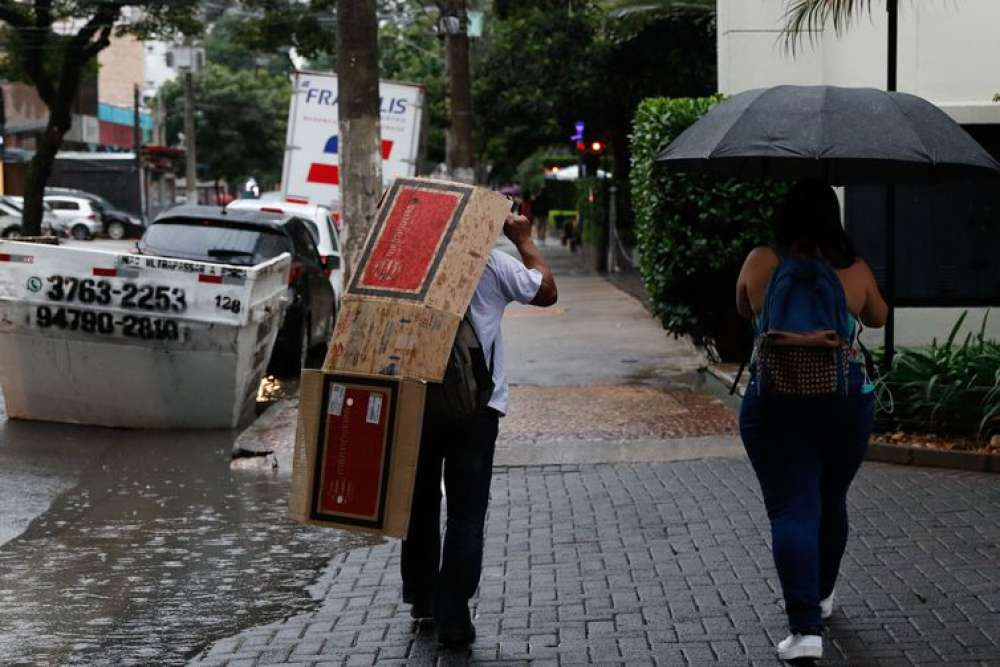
{"type": "Point", "coordinates": [137, 148]}
{"type": "Point", "coordinates": [360, 128]}
{"type": "Point", "coordinates": [892, 8]}
{"type": "Point", "coordinates": [191, 170]}
{"type": "Point", "coordinates": [3, 141]}
{"type": "Point", "coordinates": [190, 152]}
{"type": "Point", "coordinates": [454, 24]}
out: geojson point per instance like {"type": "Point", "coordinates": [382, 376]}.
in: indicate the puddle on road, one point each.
{"type": "Point", "coordinates": [159, 550]}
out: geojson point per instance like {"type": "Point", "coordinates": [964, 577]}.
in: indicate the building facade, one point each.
{"type": "Point", "coordinates": [948, 52]}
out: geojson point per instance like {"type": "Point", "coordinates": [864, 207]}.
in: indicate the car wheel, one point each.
{"type": "Point", "coordinates": [116, 230]}
{"type": "Point", "coordinates": [12, 232]}
{"type": "Point", "coordinates": [288, 361]}
{"type": "Point", "coordinates": [80, 233]}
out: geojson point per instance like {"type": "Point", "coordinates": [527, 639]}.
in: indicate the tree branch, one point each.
{"type": "Point", "coordinates": [43, 14]}
{"type": "Point", "coordinates": [103, 41]}
{"type": "Point", "coordinates": [33, 37]}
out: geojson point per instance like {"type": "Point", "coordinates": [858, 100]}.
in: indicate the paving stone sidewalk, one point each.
{"type": "Point", "coordinates": [669, 564]}
{"type": "Point", "coordinates": [626, 527]}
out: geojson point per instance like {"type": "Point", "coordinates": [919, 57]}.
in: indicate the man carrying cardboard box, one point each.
{"type": "Point", "coordinates": [437, 585]}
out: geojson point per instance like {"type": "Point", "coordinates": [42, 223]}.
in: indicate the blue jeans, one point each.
{"type": "Point", "coordinates": [465, 449]}
{"type": "Point", "coordinates": [805, 453]}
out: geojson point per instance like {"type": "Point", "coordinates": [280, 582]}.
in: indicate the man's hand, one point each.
{"type": "Point", "coordinates": [517, 228]}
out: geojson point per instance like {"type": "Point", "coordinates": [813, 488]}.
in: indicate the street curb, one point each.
{"type": "Point", "coordinates": [727, 379]}
{"type": "Point", "coordinates": [899, 454]}
{"type": "Point", "coordinates": [933, 458]}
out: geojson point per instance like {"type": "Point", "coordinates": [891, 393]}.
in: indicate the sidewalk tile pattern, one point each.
{"type": "Point", "coordinates": [614, 412]}
{"type": "Point", "coordinates": [669, 564]}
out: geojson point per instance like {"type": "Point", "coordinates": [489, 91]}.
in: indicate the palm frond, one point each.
{"type": "Point", "coordinates": [619, 9]}
{"type": "Point", "coordinates": [810, 17]}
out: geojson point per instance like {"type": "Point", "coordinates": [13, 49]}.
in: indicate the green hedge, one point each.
{"type": "Point", "coordinates": [693, 232]}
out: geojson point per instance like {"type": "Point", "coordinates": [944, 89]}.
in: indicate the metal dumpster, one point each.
{"type": "Point", "coordinates": [124, 340]}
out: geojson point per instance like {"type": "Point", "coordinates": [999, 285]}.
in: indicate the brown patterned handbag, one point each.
{"type": "Point", "coordinates": [805, 365]}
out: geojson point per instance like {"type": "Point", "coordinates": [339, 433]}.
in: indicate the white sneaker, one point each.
{"type": "Point", "coordinates": [826, 606]}
{"type": "Point", "coordinates": [794, 647]}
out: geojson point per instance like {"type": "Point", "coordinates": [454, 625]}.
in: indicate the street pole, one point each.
{"type": "Point", "coordinates": [191, 165]}
{"type": "Point", "coordinates": [3, 142]}
{"type": "Point", "coordinates": [459, 137]}
{"type": "Point", "coordinates": [892, 7]}
{"type": "Point", "coordinates": [137, 148]}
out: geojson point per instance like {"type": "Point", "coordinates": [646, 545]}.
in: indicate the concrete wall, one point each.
{"type": "Point", "coordinates": [949, 53]}
{"type": "Point", "coordinates": [121, 68]}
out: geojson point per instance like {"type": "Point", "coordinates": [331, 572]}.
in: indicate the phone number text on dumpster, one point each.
{"type": "Point", "coordinates": [158, 298]}
{"type": "Point", "coordinates": [106, 324]}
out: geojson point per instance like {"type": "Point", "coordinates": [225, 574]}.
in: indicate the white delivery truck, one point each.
{"type": "Point", "coordinates": [311, 172]}
{"type": "Point", "coordinates": [91, 336]}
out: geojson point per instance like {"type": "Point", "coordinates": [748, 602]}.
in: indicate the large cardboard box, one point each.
{"type": "Point", "coordinates": [356, 451]}
{"type": "Point", "coordinates": [415, 278]}
{"type": "Point", "coordinates": [412, 285]}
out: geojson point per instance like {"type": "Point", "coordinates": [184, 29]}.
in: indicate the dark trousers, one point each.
{"type": "Point", "coordinates": [465, 450]}
{"type": "Point", "coordinates": [805, 453]}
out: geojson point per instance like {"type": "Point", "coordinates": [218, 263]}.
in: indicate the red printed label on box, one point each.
{"type": "Point", "coordinates": [353, 465]}
{"type": "Point", "coordinates": [410, 237]}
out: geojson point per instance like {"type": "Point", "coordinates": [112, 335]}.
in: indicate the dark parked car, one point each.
{"type": "Point", "coordinates": [117, 223]}
{"type": "Point", "coordinates": [245, 238]}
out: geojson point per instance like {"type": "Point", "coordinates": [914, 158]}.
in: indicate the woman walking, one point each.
{"type": "Point", "coordinates": [807, 414]}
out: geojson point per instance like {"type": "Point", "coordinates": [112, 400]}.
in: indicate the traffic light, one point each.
{"type": "Point", "coordinates": [597, 147]}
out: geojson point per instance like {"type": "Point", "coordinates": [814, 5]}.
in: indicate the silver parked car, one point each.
{"type": "Point", "coordinates": [82, 221]}
{"type": "Point", "coordinates": [51, 224]}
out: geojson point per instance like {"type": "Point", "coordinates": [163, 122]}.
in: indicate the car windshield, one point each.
{"type": "Point", "coordinates": [13, 204]}
{"type": "Point", "coordinates": [208, 241]}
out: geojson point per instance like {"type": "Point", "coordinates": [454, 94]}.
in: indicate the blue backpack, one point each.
{"type": "Point", "coordinates": [804, 331]}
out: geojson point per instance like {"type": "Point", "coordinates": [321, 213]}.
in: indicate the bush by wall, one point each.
{"type": "Point", "coordinates": [693, 232]}
{"type": "Point", "coordinates": [952, 388]}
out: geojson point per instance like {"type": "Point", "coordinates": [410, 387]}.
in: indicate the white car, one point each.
{"type": "Point", "coordinates": [323, 225]}
{"type": "Point", "coordinates": [81, 220]}
{"type": "Point", "coordinates": [50, 221]}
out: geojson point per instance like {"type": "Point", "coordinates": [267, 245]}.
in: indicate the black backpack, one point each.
{"type": "Point", "coordinates": [468, 380]}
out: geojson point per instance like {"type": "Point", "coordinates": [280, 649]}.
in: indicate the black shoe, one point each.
{"type": "Point", "coordinates": [457, 636]}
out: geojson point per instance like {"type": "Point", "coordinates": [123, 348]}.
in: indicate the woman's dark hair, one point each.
{"type": "Point", "coordinates": [808, 222]}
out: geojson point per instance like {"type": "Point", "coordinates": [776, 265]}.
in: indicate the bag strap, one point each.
{"type": "Point", "coordinates": [736, 381]}
{"type": "Point", "coordinates": [869, 358]}
{"type": "Point", "coordinates": [493, 348]}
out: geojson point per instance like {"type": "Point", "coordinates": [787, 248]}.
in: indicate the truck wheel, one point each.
{"type": "Point", "coordinates": [12, 232]}
{"type": "Point", "coordinates": [81, 233]}
{"type": "Point", "coordinates": [116, 231]}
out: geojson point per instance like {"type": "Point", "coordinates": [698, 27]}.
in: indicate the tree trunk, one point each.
{"type": "Point", "coordinates": [360, 135]}
{"type": "Point", "coordinates": [459, 137]}
{"type": "Point", "coordinates": [40, 168]}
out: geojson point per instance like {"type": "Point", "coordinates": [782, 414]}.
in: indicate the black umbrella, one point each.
{"type": "Point", "coordinates": [843, 136]}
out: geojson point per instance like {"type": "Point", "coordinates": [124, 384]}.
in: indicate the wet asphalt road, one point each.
{"type": "Point", "coordinates": [129, 547]}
